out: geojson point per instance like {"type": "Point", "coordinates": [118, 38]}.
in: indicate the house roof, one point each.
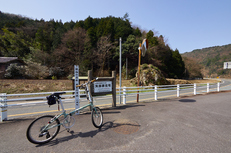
{"type": "Point", "coordinates": [10, 59]}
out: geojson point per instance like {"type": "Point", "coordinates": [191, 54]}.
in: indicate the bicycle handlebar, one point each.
{"type": "Point", "coordinates": [94, 80]}
{"type": "Point", "coordinates": [87, 83]}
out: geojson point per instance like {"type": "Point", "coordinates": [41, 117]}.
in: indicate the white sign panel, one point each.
{"type": "Point", "coordinates": [102, 86]}
{"type": "Point", "coordinates": [227, 65]}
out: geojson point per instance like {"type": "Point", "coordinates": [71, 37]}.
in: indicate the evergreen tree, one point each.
{"type": "Point", "coordinates": [152, 40]}
{"type": "Point", "coordinates": [54, 44]}
{"type": "Point", "coordinates": [16, 45]}
{"type": "Point", "coordinates": [137, 32]}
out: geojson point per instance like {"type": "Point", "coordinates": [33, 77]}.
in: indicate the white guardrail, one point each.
{"type": "Point", "coordinates": [27, 99]}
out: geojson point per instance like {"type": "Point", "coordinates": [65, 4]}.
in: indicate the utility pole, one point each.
{"type": "Point", "coordinates": [120, 65]}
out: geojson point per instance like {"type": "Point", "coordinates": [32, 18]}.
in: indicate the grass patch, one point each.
{"type": "Point", "coordinates": [14, 86]}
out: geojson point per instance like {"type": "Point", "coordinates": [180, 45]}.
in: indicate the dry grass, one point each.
{"type": "Point", "coordinates": [127, 83]}
{"type": "Point", "coordinates": [180, 81]}
{"type": "Point", "coordinates": [13, 86]}
{"type": "Point", "coordinates": [30, 86]}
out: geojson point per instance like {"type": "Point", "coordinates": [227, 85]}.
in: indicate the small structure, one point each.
{"type": "Point", "coordinates": [103, 86]}
{"type": "Point", "coordinates": [6, 61]}
{"type": "Point", "coordinates": [227, 65]}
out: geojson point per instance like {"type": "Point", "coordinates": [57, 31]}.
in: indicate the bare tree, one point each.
{"type": "Point", "coordinates": [102, 53]}
{"type": "Point", "coordinates": [71, 50]}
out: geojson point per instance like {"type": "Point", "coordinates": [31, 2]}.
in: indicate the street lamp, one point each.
{"type": "Point", "coordinates": [142, 50]}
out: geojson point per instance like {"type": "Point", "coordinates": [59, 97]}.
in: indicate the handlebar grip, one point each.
{"type": "Point", "coordinates": [94, 80]}
{"type": "Point", "coordinates": [78, 85]}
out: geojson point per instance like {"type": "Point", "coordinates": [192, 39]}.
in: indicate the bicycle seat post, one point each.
{"type": "Point", "coordinates": [61, 104]}
{"type": "Point", "coordinates": [57, 94]}
{"type": "Point", "coordinates": [88, 94]}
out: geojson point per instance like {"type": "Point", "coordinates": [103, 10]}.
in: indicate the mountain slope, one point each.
{"type": "Point", "coordinates": [212, 60]}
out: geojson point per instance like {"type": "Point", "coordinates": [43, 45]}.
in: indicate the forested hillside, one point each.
{"type": "Point", "coordinates": [212, 60]}
{"type": "Point", "coordinates": [51, 48]}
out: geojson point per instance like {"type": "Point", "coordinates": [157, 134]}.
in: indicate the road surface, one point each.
{"type": "Point", "coordinates": [190, 124]}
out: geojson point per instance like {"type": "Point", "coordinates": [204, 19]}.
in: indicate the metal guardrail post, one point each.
{"type": "Point", "coordinates": [218, 86]}
{"type": "Point", "coordinates": [124, 95]}
{"type": "Point", "coordinates": [207, 87]}
{"type": "Point", "coordinates": [178, 90]}
{"type": "Point", "coordinates": [195, 88]}
{"type": "Point", "coordinates": [155, 92]}
{"type": "Point", "coordinates": [3, 107]}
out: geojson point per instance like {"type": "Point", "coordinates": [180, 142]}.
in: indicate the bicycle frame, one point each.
{"type": "Point", "coordinates": [89, 97]}
{"type": "Point", "coordinates": [39, 131]}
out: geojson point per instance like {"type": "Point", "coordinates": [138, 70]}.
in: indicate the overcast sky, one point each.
{"type": "Point", "coordinates": [185, 24]}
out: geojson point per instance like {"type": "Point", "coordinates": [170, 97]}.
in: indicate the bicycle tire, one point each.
{"type": "Point", "coordinates": [97, 117]}
{"type": "Point", "coordinates": [34, 134]}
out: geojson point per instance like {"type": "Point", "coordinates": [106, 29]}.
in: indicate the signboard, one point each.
{"type": "Point", "coordinates": [227, 65]}
{"type": "Point", "coordinates": [76, 72]}
{"type": "Point", "coordinates": [102, 86]}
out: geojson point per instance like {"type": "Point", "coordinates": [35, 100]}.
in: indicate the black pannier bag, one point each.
{"type": "Point", "coordinates": [51, 100]}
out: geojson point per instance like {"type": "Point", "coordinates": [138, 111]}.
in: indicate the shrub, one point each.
{"type": "Point", "coordinates": [14, 72]}
{"type": "Point", "coordinates": [145, 66]}
{"type": "Point", "coordinates": [36, 70]}
{"type": "Point", "coordinates": [56, 71]}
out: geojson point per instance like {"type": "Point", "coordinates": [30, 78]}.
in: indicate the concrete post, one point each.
{"type": "Point", "coordinates": [195, 88]}
{"type": "Point", "coordinates": [178, 90]}
{"type": "Point", "coordinates": [3, 102]}
{"type": "Point", "coordinates": [155, 92]}
{"type": "Point", "coordinates": [124, 95]}
{"type": "Point", "coordinates": [218, 87]}
{"type": "Point", "coordinates": [76, 71]}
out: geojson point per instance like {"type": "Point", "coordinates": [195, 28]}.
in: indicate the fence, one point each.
{"type": "Point", "coordinates": [179, 89]}
{"type": "Point", "coordinates": [125, 92]}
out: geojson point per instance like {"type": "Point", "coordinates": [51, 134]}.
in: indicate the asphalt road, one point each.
{"type": "Point", "coordinates": [190, 124]}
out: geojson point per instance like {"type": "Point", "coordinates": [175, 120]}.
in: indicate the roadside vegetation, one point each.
{"type": "Point", "coordinates": [210, 61]}
{"type": "Point", "coordinates": [51, 48]}
{"type": "Point", "coordinates": [14, 86]}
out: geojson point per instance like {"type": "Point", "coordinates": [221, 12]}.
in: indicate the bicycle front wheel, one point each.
{"type": "Point", "coordinates": [42, 129]}
{"type": "Point", "coordinates": [97, 117]}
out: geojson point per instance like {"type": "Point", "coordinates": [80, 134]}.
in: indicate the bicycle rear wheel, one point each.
{"type": "Point", "coordinates": [97, 117]}
{"type": "Point", "coordinates": [36, 133]}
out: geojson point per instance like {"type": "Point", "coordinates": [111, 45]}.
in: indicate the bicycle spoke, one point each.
{"type": "Point", "coordinates": [97, 117]}
{"type": "Point", "coordinates": [40, 132]}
